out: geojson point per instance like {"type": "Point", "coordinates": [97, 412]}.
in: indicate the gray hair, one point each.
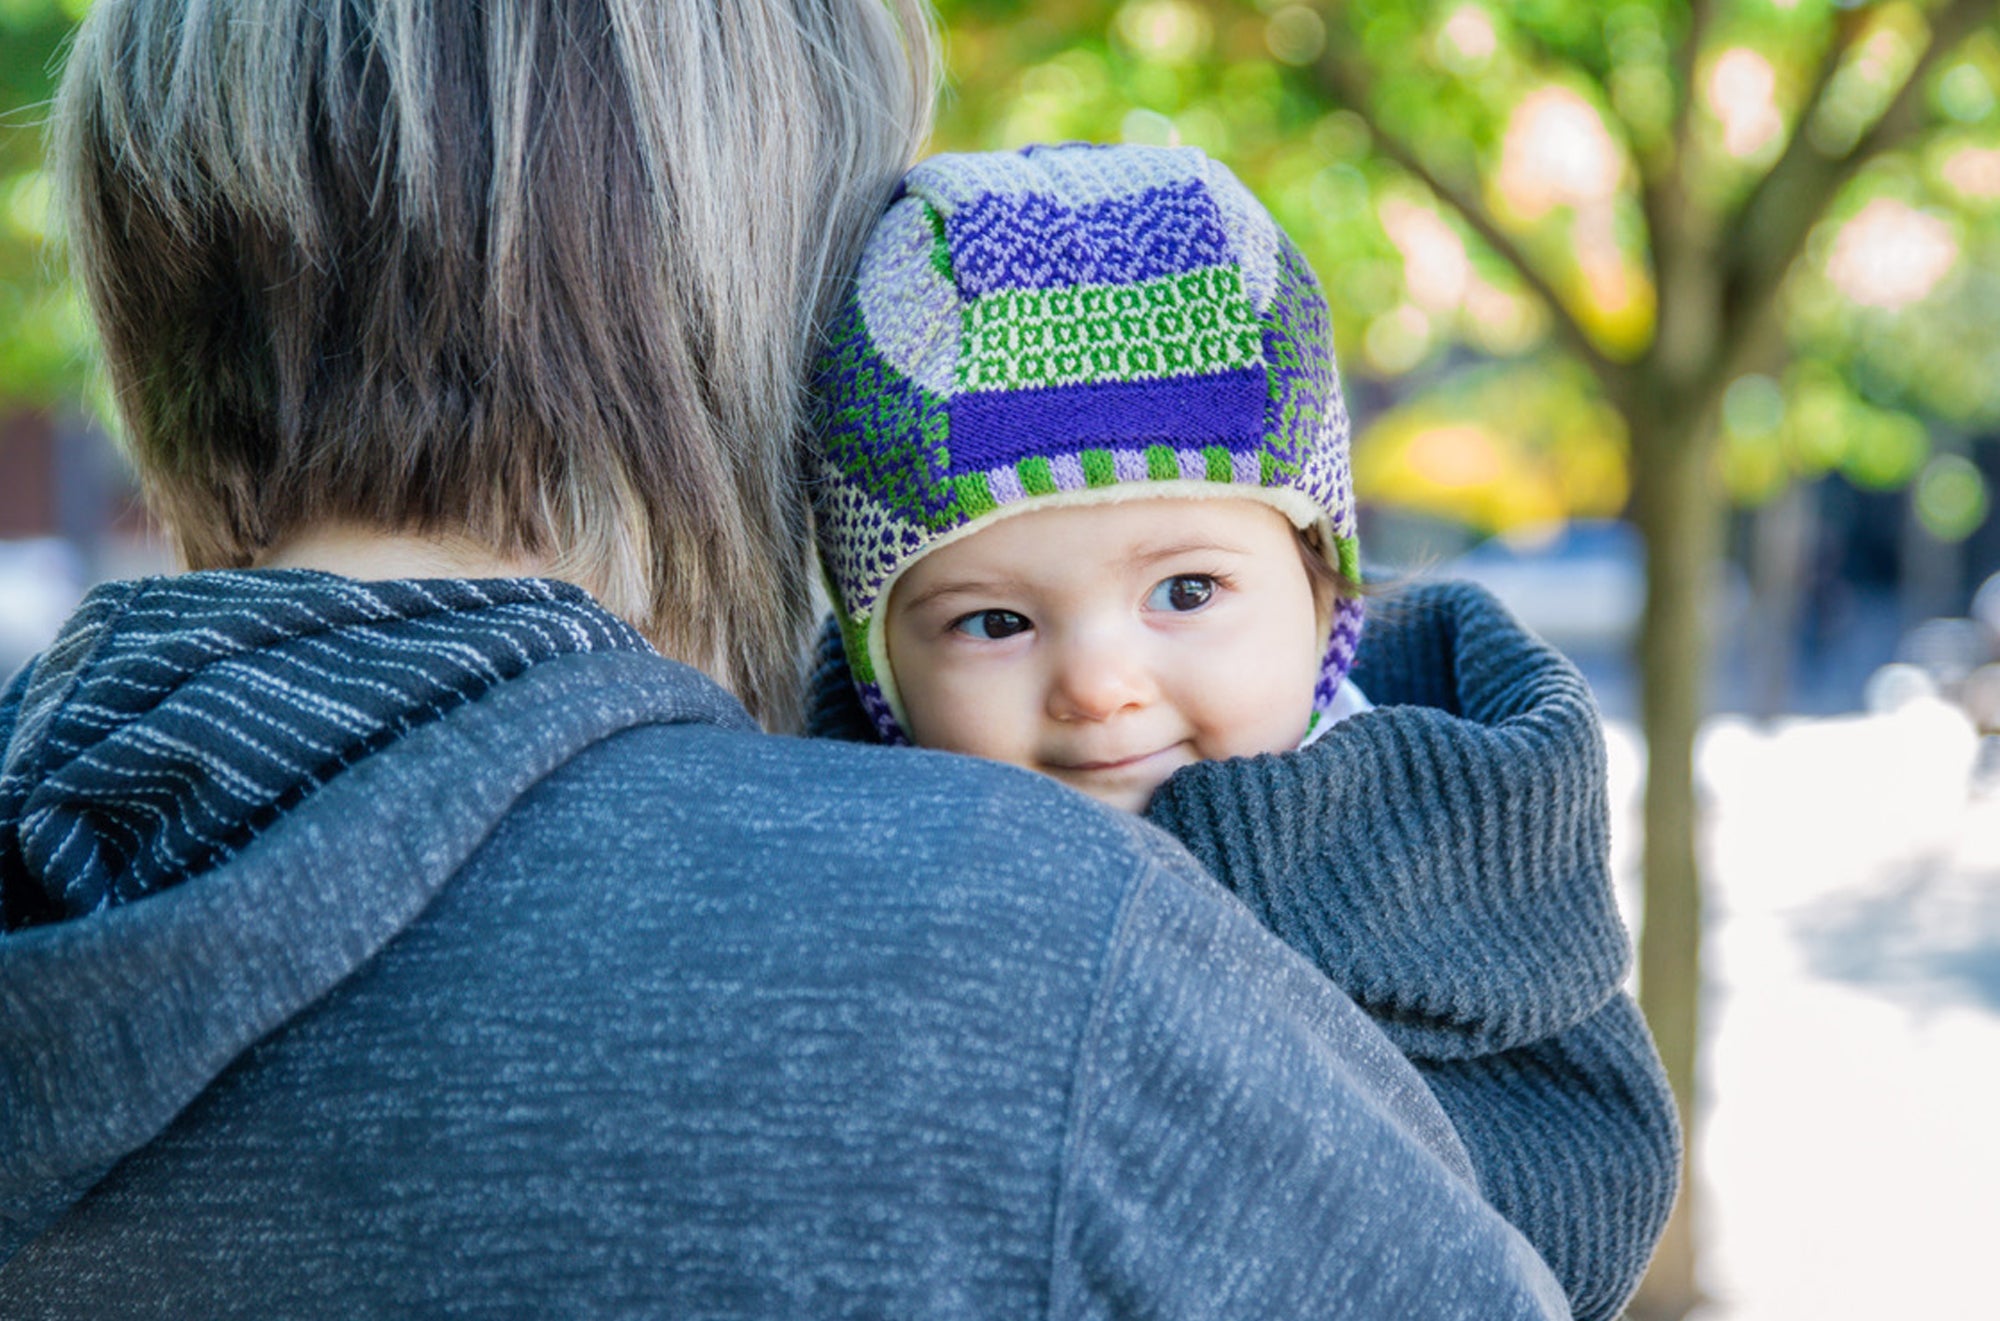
{"type": "Point", "coordinates": [546, 274]}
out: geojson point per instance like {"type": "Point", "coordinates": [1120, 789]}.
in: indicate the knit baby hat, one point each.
{"type": "Point", "coordinates": [1069, 325]}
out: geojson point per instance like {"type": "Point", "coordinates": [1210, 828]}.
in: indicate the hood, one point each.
{"type": "Point", "coordinates": [173, 718]}
{"type": "Point", "coordinates": [223, 792]}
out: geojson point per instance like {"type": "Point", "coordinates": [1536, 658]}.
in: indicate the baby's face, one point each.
{"type": "Point", "coordinates": [1110, 645]}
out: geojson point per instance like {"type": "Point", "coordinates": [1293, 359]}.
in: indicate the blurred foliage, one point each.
{"type": "Point", "coordinates": [1496, 447]}
{"type": "Point", "coordinates": [43, 336]}
{"type": "Point", "coordinates": [1549, 115]}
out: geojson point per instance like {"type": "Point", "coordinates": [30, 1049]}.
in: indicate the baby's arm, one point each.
{"type": "Point", "coordinates": [1444, 860]}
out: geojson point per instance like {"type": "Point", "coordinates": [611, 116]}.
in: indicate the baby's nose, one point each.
{"type": "Point", "coordinates": [1096, 679]}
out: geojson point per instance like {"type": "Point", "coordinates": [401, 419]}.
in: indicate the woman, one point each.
{"type": "Point", "coordinates": [390, 928]}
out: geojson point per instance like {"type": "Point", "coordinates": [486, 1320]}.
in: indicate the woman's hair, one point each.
{"type": "Point", "coordinates": [546, 274]}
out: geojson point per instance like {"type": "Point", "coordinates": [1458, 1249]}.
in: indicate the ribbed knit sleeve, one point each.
{"type": "Point", "coordinates": [1445, 860]}
{"type": "Point", "coordinates": [1575, 1143]}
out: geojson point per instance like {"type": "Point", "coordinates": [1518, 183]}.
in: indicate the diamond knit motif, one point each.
{"type": "Point", "coordinates": [1042, 241]}
{"type": "Point", "coordinates": [1189, 324]}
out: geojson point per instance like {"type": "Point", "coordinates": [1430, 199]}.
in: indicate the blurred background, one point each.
{"type": "Point", "coordinates": [1672, 322]}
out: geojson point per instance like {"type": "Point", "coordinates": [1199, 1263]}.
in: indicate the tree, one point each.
{"type": "Point", "coordinates": [1747, 232]}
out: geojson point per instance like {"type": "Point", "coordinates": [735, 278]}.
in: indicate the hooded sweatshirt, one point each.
{"type": "Point", "coordinates": [437, 948]}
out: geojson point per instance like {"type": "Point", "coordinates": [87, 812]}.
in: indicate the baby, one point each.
{"type": "Point", "coordinates": [1083, 503]}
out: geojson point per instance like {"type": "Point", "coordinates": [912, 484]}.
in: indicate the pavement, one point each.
{"type": "Point", "coordinates": [1848, 1161]}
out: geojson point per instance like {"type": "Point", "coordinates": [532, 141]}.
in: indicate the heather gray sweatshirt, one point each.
{"type": "Point", "coordinates": [436, 948]}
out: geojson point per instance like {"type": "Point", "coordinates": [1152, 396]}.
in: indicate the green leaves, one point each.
{"type": "Point", "coordinates": [44, 337]}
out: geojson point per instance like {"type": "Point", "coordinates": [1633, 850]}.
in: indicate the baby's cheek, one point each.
{"type": "Point", "coordinates": [1268, 713]}
{"type": "Point", "coordinates": [959, 714]}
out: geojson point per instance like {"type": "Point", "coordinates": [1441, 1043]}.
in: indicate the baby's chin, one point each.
{"type": "Point", "coordinates": [1133, 801]}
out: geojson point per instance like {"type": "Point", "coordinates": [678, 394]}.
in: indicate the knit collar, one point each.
{"type": "Point", "coordinates": [1444, 857]}
{"type": "Point", "coordinates": [175, 718]}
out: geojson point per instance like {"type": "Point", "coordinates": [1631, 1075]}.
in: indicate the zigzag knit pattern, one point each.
{"type": "Point", "coordinates": [1061, 322]}
{"type": "Point", "coordinates": [339, 669]}
{"type": "Point", "coordinates": [1444, 859]}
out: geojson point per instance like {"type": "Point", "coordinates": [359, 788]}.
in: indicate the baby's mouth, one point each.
{"type": "Point", "coordinates": [1126, 782]}
{"type": "Point", "coordinates": [1116, 763]}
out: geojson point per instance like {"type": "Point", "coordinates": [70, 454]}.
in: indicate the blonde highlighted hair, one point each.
{"type": "Point", "coordinates": [545, 274]}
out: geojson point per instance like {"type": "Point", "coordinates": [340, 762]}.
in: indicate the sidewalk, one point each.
{"type": "Point", "coordinates": [1850, 1163]}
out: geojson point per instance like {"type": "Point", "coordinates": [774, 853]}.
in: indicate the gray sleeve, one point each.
{"type": "Point", "coordinates": [1245, 1142]}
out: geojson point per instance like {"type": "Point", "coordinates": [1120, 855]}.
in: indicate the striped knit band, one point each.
{"type": "Point", "coordinates": [173, 719]}
{"type": "Point", "coordinates": [1069, 325]}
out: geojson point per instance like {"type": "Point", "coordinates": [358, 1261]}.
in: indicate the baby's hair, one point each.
{"type": "Point", "coordinates": [1328, 583]}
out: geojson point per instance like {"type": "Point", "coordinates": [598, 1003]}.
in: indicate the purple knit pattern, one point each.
{"type": "Point", "coordinates": [1039, 242]}
{"type": "Point", "coordinates": [879, 715]}
{"type": "Point", "coordinates": [995, 428]}
{"type": "Point", "coordinates": [1341, 648]}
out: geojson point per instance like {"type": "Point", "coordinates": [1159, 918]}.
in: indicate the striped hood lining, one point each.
{"type": "Point", "coordinates": [176, 718]}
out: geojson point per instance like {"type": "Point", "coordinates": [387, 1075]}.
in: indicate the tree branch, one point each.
{"type": "Point", "coordinates": [1675, 239]}
{"type": "Point", "coordinates": [1348, 87]}
{"type": "Point", "coordinates": [1550, 58]}
{"type": "Point", "coordinates": [1800, 156]}
{"type": "Point", "coordinates": [1662, 176]}
{"type": "Point", "coordinates": [1781, 213]}
{"type": "Point", "coordinates": [1687, 60]}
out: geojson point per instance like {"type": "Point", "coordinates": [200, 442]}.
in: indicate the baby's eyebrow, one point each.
{"type": "Point", "coordinates": [956, 587]}
{"type": "Point", "coordinates": [1144, 555]}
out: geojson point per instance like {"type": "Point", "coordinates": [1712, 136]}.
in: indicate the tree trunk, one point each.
{"type": "Point", "coordinates": [1678, 509]}
{"type": "Point", "coordinates": [1782, 536]}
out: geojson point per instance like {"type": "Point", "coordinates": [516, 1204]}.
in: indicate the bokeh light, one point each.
{"type": "Point", "coordinates": [1435, 268]}
{"type": "Point", "coordinates": [1295, 34]}
{"type": "Point", "coordinates": [1556, 152]}
{"type": "Point", "coordinates": [1891, 255]}
{"type": "Point", "coordinates": [1974, 171]}
{"type": "Point", "coordinates": [1169, 31]}
{"type": "Point", "coordinates": [1741, 91]}
{"type": "Point", "coordinates": [1467, 39]}
{"type": "Point", "coordinates": [1951, 497]}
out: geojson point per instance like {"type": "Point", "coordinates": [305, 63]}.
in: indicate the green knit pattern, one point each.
{"type": "Point", "coordinates": [1196, 323]}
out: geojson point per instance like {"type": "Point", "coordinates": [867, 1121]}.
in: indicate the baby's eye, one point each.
{"type": "Point", "coordinates": [992, 625]}
{"type": "Point", "coordinates": [1181, 593]}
